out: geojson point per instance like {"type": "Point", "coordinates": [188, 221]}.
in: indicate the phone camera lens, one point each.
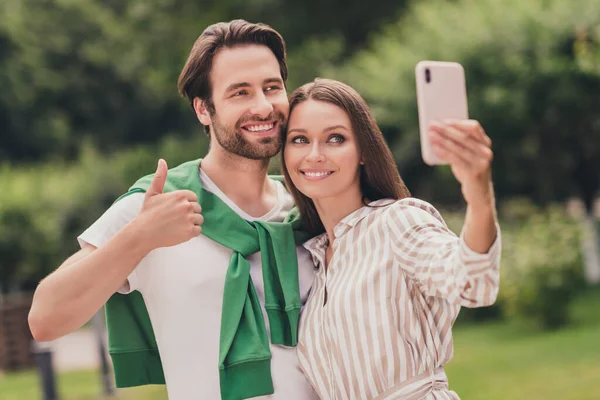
{"type": "Point", "coordinates": [427, 75]}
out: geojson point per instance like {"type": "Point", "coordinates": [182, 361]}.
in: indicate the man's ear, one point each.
{"type": "Point", "coordinates": [202, 112]}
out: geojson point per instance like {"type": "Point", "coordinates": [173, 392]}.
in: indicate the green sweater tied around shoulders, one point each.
{"type": "Point", "coordinates": [244, 353]}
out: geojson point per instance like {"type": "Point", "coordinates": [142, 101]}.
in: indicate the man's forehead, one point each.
{"type": "Point", "coordinates": [245, 63]}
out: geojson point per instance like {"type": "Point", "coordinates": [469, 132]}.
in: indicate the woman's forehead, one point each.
{"type": "Point", "coordinates": [316, 116]}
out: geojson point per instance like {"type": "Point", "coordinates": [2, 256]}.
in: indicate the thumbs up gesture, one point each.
{"type": "Point", "coordinates": [168, 219]}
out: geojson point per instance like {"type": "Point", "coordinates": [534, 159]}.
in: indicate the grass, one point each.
{"type": "Point", "coordinates": [79, 385]}
{"type": "Point", "coordinates": [493, 361]}
{"type": "Point", "coordinates": [502, 360]}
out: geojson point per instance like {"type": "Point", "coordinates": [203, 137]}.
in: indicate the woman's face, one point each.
{"type": "Point", "coordinates": [321, 151]}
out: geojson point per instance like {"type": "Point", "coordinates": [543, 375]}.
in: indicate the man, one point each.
{"type": "Point", "coordinates": [155, 240]}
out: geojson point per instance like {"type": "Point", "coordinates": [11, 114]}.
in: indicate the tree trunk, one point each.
{"type": "Point", "coordinates": [588, 180]}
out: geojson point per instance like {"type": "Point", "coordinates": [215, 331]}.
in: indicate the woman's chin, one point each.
{"type": "Point", "coordinates": [315, 194]}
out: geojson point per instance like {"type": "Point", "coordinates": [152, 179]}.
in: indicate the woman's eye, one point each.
{"type": "Point", "coordinates": [336, 138]}
{"type": "Point", "coordinates": [299, 140]}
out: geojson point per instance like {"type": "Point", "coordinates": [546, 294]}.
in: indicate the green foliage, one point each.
{"type": "Point", "coordinates": [315, 57]}
{"type": "Point", "coordinates": [533, 76]}
{"type": "Point", "coordinates": [43, 209]}
{"type": "Point", "coordinates": [542, 268]}
{"type": "Point", "coordinates": [106, 71]}
{"type": "Point", "coordinates": [78, 70]}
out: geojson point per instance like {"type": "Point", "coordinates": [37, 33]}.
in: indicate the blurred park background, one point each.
{"type": "Point", "coordinates": [88, 102]}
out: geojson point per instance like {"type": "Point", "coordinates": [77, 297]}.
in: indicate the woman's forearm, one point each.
{"type": "Point", "coordinates": [479, 230]}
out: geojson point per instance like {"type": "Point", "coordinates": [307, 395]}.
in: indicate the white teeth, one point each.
{"type": "Point", "coordinates": [316, 174]}
{"type": "Point", "coordinates": [259, 128]}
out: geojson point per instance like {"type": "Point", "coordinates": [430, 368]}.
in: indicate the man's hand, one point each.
{"type": "Point", "coordinates": [168, 219]}
{"type": "Point", "coordinates": [465, 145]}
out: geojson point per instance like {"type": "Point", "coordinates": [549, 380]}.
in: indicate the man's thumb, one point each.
{"type": "Point", "coordinates": [160, 177]}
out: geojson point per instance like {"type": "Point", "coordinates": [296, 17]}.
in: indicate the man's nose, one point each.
{"type": "Point", "coordinates": [262, 106]}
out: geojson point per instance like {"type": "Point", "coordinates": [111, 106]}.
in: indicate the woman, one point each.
{"type": "Point", "coordinates": [391, 276]}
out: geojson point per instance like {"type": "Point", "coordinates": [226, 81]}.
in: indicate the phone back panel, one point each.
{"type": "Point", "coordinates": [441, 94]}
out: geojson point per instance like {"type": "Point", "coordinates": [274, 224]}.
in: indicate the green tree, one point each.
{"type": "Point", "coordinates": [533, 76]}
{"type": "Point", "coordinates": [75, 70]}
{"type": "Point", "coordinates": [107, 70]}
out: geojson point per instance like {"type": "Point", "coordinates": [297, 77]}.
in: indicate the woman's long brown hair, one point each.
{"type": "Point", "coordinates": [379, 177]}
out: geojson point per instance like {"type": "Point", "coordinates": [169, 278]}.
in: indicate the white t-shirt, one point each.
{"type": "Point", "coordinates": [183, 289]}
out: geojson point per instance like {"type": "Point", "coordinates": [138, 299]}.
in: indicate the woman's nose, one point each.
{"type": "Point", "coordinates": [315, 154]}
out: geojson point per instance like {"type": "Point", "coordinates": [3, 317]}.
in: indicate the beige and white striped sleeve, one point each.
{"type": "Point", "coordinates": [442, 263]}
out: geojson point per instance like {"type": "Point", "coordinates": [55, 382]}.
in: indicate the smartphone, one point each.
{"type": "Point", "coordinates": [441, 94]}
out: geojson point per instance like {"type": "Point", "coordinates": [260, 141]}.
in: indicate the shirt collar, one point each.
{"type": "Point", "coordinates": [318, 244]}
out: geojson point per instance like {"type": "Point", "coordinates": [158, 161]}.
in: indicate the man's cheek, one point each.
{"type": "Point", "coordinates": [283, 112]}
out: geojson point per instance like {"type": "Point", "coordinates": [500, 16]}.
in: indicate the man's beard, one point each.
{"type": "Point", "coordinates": [233, 141]}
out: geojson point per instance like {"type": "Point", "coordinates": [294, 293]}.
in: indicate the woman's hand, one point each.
{"type": "Point", "coordinates": [465, 145]}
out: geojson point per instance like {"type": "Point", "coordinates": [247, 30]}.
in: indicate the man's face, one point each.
{"type": "Point", "coordinates": [250, 101]}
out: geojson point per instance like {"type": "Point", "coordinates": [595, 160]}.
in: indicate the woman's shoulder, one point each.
{"type": "Point", "coordinates": [410, 210]}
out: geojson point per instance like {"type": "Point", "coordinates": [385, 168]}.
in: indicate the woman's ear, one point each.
{"type": "Point", "coordinates": [202, 112]}
{"type": "Point", "coordinates": [361, 161]}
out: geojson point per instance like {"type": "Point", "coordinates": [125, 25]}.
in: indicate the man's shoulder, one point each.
{"type": "Point", "coordinates": [113, 220]}
{"type": "Point", "coordinates": [182, 176]}
{"type": "Point", "coordinates": [126, 208]}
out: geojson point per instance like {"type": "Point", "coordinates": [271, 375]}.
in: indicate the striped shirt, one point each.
{"type": "Point", "coordinates": [377, 324]}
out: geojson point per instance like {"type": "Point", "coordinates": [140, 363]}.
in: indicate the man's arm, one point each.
{"type": "Point", "coordinates": [70, 296]}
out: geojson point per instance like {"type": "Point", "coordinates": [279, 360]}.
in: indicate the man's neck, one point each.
{"type": "Point", "coordinates": [244, 181]}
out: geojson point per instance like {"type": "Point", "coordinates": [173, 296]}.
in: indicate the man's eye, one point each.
{"type": "Point", "coordinates": [299, 140]}
{"type": "Point", "coordinates": [336, 138]}
{"type": "Point", "coordinates": [240, 93]}
{"type": "Point", "coordinates": [272, 88]}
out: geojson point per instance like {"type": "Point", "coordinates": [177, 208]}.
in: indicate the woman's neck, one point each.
{"type": "Point", "coordinates": [332, 210]}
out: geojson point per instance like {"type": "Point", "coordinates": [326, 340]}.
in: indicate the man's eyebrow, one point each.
{"type": "Point", "coordinates": [237, 85]}
{"type": "Point", "coordinates": [273, 80]}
